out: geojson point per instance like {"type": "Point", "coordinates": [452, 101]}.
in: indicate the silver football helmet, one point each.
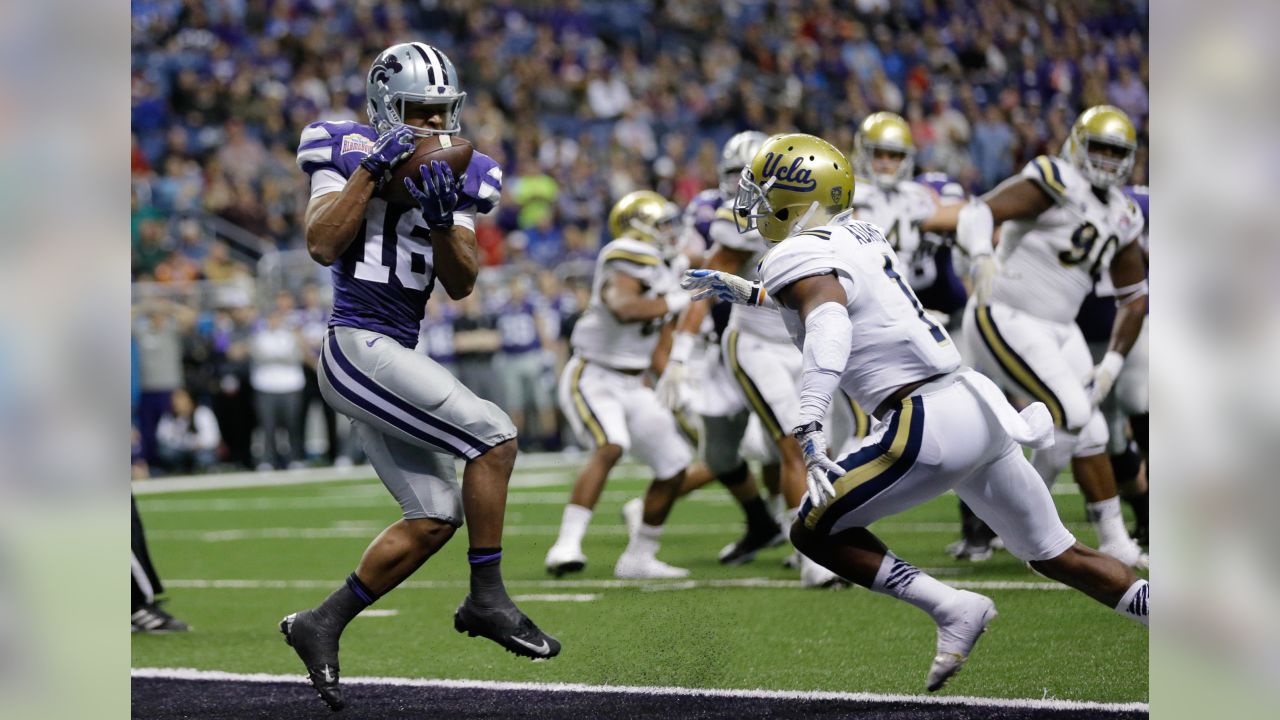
{"type": "Point", "coordinates": [738, 153]}
{"type": "Point", "coordinates": [413, 73]}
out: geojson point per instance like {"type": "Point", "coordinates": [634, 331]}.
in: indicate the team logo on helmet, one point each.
{"type": "Point", "coordinates": [788, 177]}
{"type": "Point", "coordinates": [835, 195]}
{"type": "Point", "coordinates": [386, 63]}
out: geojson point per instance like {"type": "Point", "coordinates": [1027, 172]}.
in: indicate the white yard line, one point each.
{"type": "Point", "coordinates": [500, 686]}
{"type": "Point", "coordinates": [588, 584]}
{"type": "Point", "coordinates": [367, 529]}
{"type": "Point", "coordinates": [532, 470]}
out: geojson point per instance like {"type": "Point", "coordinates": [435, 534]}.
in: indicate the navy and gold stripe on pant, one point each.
{"type": "Point", "coordinates": [1017, 368]}
{"type": "Point", "coordinates": [754, 398]}
{"type": "Point", "coordinates": [861, 421]}
{"type": "Point", "coordinates": [873, 469]}
{"type": "Point", "coordinates": [588, 418]}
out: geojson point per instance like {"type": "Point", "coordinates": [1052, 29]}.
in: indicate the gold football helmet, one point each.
{"type": "Point", "coordinates": [1103, 145]}
{"type": "Point", "coordinates": [645, 215]}
{"type": "Point", "coordinates": [884, 132]}
{"type": "Point", "coordinates": [795, 181]}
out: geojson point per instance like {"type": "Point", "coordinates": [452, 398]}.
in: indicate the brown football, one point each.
{"type": "Point", "coordinates": [454, 150]}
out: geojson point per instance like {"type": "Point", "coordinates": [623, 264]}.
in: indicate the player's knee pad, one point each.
{"type": "Point", "coordinates": [721, 437]}
{"type": "Point", "coordinates": [734, 477]}
{"type": "Point", "coordinates": [1092, 438]}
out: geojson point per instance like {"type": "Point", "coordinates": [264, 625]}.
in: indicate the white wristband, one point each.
{"type": "Point", "coordinates": [677, 300]}
{"type": "Point", "coordinates": [681, 348]}
{"type": "Point", "coordinates": [1111, 363]}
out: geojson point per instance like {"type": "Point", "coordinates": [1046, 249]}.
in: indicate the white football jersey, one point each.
{"type": "Point", "coordinates": [898, 213]}
{"type": "Point", "coordinates": [1049, 264]}
{"type": "Point", "coordinates": [895, 342]}
{"type": "Point", "coordinates": [599, 336]}
{"type": "Point", "coordinates": [758, 321]}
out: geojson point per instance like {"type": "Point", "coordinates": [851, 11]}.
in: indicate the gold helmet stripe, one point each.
{"type": "Point", "coordinates": [631, 257]}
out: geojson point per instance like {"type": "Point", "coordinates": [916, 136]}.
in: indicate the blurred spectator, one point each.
{"type": "Point", "coordinates": [1129, 93]}
{"type": "Point", "coordinates": [187, 437]}
{"type": "Point", "coordinates": [276, 374]}
{"type": "Point", "coordinates": [475, 341]}
{"type": "Point", "coordinates": [218, 264]}
{"type": "Point", "coordinates": [312, 321]}
{"type": "Point", "coordinates": [525, 346]}
{"type": "Point", "coordinates": [992, 147]}
{"type": "Point", "coordinates": [436, 337]}
{"type": "Point", "coordinates": [233, 403]}
{"type": "Point", "coordinates": [159, 356]}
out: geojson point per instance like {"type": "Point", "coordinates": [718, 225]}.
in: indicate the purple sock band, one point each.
{"type": "Point", "coordinates": [362, 592]}
{"type": "Point", "coordinates": [484, 559]}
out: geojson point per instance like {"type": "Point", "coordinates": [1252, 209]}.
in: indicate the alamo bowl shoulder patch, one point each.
{"type": "Point", "coordinates": [357, 144]}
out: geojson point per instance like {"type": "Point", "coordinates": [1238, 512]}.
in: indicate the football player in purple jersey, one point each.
{"type": "Point", "coordinates": [413, 417]}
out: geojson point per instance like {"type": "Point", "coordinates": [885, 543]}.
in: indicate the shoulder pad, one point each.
{"type": "Point", "coordinates": [631, 251]}
{"type": "Point", "coordinates": [1050, 174]}
{"type": "Point", "coordinates": [802, 255]}
{"type": "Point", "coordinates": [336, 146]}
{"type": "Point", "coordinates": [483, 186]}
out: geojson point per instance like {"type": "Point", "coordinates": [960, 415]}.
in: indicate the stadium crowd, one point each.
{"type": "Point", "coordinates": [579, 102]}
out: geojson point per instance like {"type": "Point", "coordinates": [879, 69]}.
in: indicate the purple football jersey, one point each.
{"type": "Point", "coordinates": [702, 210]}
{"type": "Point", "coordinates": [1141, 196]}
{"type": "Point", "coordinates": [383, 279]}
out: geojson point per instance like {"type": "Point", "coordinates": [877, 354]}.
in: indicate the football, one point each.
{"type": "Point", "coordinates": [454, 150]}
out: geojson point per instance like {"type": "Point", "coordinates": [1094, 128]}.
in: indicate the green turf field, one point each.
{"type": "Point", "coordinates": [290, 545]}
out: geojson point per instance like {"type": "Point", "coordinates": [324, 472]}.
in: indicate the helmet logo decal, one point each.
{"type": "Point", "coordinates": [790, 177]}
{"type": "Point", "coordinates": [835, 195]}
{"type": "Point", "coordinates": [380, 70]}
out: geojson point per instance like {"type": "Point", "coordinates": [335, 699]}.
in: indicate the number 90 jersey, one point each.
{"type": "Point", "coordinates": [895, 341]}
{"type": "Point", "coordinates": [1049, 264]}
{"type": "Point", "coordinates": [383, 279]}
{"type": "Point", "coordinates": [599, 336]}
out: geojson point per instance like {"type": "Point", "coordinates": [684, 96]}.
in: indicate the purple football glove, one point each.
{"type": "Point", "coordinates": [438, 195]}
{"type": "Point", "coordinates": [392, 148]}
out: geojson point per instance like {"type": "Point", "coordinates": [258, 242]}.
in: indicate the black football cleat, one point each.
{"type": "Point", "coordinates": [319, 655]}
{"type": "Point", "coordinates": [508, 627]}
{"type": "Point", "coordinates": [154, 620]}
{"type": "Point", "coordinates": [756, 539]}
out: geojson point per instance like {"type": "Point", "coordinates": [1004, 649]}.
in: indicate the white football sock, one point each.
{"type": "Point", "coordinates": [645, 541]}
{"type": "Point", "coordinates": [904, 581]}
{"type": "Point", "coordinates": [1108, 521]}
{"type": "Point", "coordinates": [1136, 602]}
{"type": "Point", "coordinates": [573, 525]}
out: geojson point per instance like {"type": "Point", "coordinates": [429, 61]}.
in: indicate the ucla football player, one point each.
{"type": "Point", "coordinates": [842, 294]}
{"type": "Point", "coordinates": [904, 208]}
{"type": "Point", "coordinates": [1065, 222]}
{"type": "Point", "coordinates": [602, 388]}
{"type": "Point", "coordinates": [764, 367]}
{"type": "Point", "coordinates": [413, 417]}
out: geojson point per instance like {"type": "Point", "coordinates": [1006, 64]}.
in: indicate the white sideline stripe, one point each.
{"type": "Point", "coordinates": [364, 530]}
{"type": "Point", "coordinates": [546, 469]}
{"type": "Point", "coordinates": [564, 597]}
{"type": "Point", "coordinates": [811, 695]}
{"type": "Point", "coordinates": [378, 612]}
{"type": "Point", "coordinates": [603, 584]}
{"type": "Point", "coordinates": [347, 500]}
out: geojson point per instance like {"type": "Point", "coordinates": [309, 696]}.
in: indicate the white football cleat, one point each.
{"type": "Point", "coordinates": [1129, 552]}
{"type": "Point", "coordinates": [813, 575]}
{"type": "Point", "coordinates": [563, 559]}
{"type": "Point", "coordinates": [964, 619]}
{"type": "Point", "coordinates": [633, 515]}
{"type": "Point", "coordinates": [634, 566]}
